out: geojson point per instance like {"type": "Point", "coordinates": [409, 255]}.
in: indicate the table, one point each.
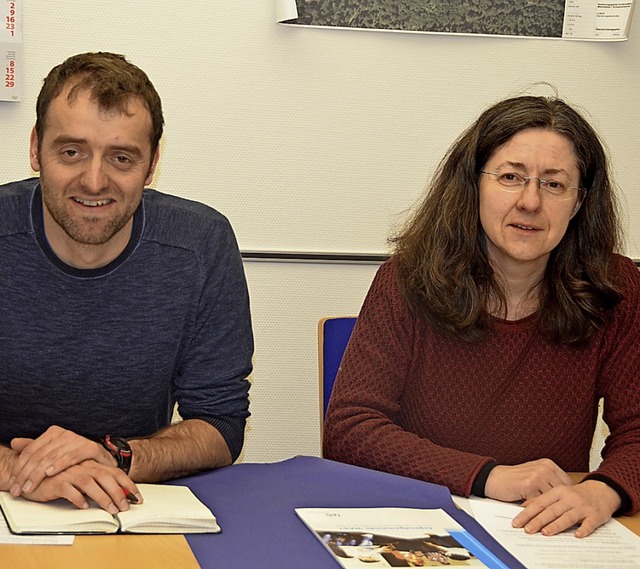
{"type": "Point", "coordinates": [254, 505]}
{"type": "Point", "coordinates": [103, 552]}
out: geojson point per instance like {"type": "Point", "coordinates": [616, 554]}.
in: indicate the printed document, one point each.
{"type": "Point", "coordinates": [610, 546]}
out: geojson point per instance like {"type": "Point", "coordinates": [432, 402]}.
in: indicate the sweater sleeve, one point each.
{"type": "Point", "coordinates": [363, 424]}
{"type": "Point", "coordinates": [212, 382]}
{"type": "Point", "coordinates": [619, 385]}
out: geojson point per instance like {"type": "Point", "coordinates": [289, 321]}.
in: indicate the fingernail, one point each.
{"type": "Point", "coordinates": [15, 490]}
{"type": "Point", "coordinates": [49, 471]}
{"type": "Point", "coordinates": [113, 509]}
{"type": "Point", "coordinates": [124, 505]}
{"type": "Point", "coordinates": [27, 486]}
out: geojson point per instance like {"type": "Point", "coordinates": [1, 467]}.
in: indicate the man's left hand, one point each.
{"type": "Point", "coordinates": [588, 505]}
{"type": "Point", "coordinates": [107, 486]}
{"type": "Point", "coordinates": [52, 452]}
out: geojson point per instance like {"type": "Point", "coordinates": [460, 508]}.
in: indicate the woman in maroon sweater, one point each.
{"type": "Point", "coordinates": [504, 316]}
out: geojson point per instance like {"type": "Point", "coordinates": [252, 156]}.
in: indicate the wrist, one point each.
{"type": "Point", "coordinates": [625, 500]}
{"type": "Point", "coordinates": [120, 451]}
{"type": "Point", "coordinates": [478, 487]}
{"type": "Point", "coordinates": [8, 457]}
{"type": "Point", "coordinates": [610, 495]}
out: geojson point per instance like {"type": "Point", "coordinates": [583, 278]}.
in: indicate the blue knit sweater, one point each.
{"type": "Point", "coordinates": [110, 350]}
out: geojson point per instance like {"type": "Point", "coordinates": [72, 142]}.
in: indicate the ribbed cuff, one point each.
{"type": "Point", "coordinates": [232, 431]}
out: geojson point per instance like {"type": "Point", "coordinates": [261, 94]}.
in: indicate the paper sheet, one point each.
{"type": "Point", "coordinates": [611, 546]}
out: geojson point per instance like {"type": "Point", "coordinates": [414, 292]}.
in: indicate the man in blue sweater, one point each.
{"type": "Point", "coordinates": [116, 302]}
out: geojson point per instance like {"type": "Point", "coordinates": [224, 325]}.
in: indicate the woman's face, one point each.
{"type": "Point", "coordinates": [523, 226]}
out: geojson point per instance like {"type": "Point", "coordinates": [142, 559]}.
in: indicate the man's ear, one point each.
{"type": "Point", "coordinates": [152, 167]}
{"type": "Point", "coordinates": [34, 158]}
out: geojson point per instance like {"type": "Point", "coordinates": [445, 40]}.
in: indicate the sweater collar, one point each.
{"type": "Point", "coordinates": [37, 220]}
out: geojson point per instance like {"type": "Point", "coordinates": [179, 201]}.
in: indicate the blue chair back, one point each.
{"type": "Point", "coordinates": [333, 334]}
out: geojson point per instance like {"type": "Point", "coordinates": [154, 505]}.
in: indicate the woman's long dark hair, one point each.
{"type": "Point", "coordinates": [443, 266]}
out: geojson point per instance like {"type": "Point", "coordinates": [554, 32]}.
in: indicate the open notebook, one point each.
{"type": "Point", "coordinates": [166, 509]}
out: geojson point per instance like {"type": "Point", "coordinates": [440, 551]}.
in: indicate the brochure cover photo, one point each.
{"type": "Point", "coordinates": [391, 537]}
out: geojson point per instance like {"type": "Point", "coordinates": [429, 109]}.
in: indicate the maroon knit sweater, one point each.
{"type": "Point", "coordinates": [409, 401]}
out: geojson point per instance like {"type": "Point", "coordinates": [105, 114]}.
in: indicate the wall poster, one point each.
{"type": "Point", "coordinates": [595, 20]}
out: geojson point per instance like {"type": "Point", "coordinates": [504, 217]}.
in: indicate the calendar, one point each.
{"type": "Point", "coordinates": [10, 50]}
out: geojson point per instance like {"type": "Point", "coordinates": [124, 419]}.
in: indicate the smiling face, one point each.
{"type": "Point", "coordinates": [523, 227]}
{"type": "Point", "coordinates": [93, 167]}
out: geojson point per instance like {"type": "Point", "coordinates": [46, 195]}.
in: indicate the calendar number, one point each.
{"type": "Point", "coordinates": [10, 74]}
{"type": "Point", "coordinates": [10, 20]}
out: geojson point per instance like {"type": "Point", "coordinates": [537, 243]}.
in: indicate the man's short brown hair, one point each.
{"type": "Point", "coordinates": [111, 81]}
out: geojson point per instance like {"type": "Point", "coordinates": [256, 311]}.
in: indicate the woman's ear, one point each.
{"type": "Point", "coordinates": [582, 194]}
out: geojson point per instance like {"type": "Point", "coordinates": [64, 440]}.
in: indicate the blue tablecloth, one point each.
{"type": "Point", "coordinates": [254, 505]}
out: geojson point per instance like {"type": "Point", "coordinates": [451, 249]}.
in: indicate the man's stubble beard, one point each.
{"type": "Point", "coordinates": [89, 231]}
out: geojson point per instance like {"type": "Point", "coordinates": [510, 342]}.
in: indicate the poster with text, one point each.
{"type": "Point", "coordinates": [595, 20]}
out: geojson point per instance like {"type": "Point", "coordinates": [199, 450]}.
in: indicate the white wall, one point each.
{"type": "Point", "coordinates": [314, 140]}
{"type": "Point", "coordinates": [287, 301]}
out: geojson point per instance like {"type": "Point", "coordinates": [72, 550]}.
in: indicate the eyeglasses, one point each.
{"type": "Point", "coordinates": [513, 182]}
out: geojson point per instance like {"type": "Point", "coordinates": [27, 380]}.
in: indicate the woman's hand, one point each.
{"type": "Point", "coordinates": [524, 481]}
{"type": "Point", "coordinates": [590, 504]}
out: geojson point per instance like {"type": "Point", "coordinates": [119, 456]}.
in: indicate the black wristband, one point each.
{"type": "Point", "coordinates": [477, 488]}
{"type": "Point", "coordinates": [119, 449]}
